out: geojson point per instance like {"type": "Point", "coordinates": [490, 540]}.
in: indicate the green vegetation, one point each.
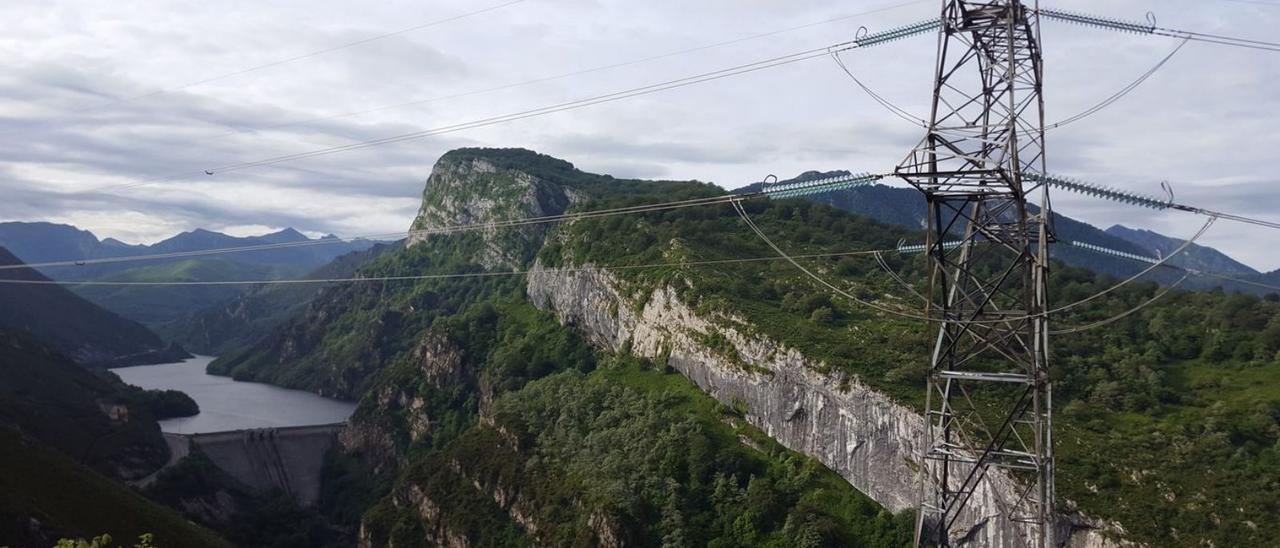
{"type": "Point", "coordinates": [64, 496]}
{"type": "Point", "coordinates": [1169, 419]}
{"type": "Point", "coordinates": [232, 325]}
{"type": "Point", "coordinates": [145, 540]}
{"type": "Point", "coordinates": [77, 328]}
{"type": "Point", "coordinates": [581, 447]}
{"type": "Point", "coordinates": [162, 404]}
{"type": "Point", "coordinates": [155, 305]}
{"type": "Point", "coordinates": [75, 410]}
{"type": "Point", "coordinates": [665, 462]}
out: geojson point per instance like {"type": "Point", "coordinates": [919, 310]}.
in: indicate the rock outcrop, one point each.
{"type": "Point", "coordinates": [475, 191]}
{"type": "Point", "coordinates": [862, 434]}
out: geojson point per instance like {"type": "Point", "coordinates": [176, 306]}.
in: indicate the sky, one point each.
{"type": "Point", "coordinates": [97, 97]}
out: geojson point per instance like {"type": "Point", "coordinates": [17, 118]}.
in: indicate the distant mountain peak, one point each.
{"type": "Point", "coordinates": [290, 231]}
{"type": "Point", "coordinates": [1195, 256]}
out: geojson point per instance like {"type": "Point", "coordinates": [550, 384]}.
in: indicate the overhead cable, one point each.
{"type": "Point", "coordinates": [783, 255]}
{"type": "Point", "coordinates": [866, 41]}
{"type": "Point", "coordinates": [1110, 320]}
{"type": "Point", "coordinates": [765, 238]}
{"type": "Point", "coordinates": [485, 274]}
{"type": "Point", "coordinates": [1149, 260]}
{"type": "Point", "coordinates": [1101, 105]}
{"type": "Point", "coordinates": [803, 188]}
{"type": "Point", "coordinates": [1150, 28]}
{"type": "Point", "coordinates": [1119, 94]}
{"type": "Point", "coordinates": [1132, 198]}
{"type": "Point", "coordinates": [579, 72]}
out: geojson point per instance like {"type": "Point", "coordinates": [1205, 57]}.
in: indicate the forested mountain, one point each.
{"type": "Point", "coordinates": [906, 207]}
{"type": "Point", "coordinates": [564, 406]}
{"type": "Point", "coordinates": [155, 305]}
{"type": "Point", "coordinates": [235, 322]}
{"type": "Point", "coordinates": [78, 328]}
{"type": "Point", "coordinates": [68, 437]}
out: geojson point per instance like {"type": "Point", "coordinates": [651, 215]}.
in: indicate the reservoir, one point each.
{"type": "Point", "coordinates": [226, 404]}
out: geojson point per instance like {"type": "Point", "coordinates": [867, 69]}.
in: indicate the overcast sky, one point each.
{"type": "Point", "coordinates": [79, 108]}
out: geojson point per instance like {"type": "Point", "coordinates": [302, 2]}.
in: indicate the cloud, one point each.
{"type": "Point", "coordinates": [1204, 122]}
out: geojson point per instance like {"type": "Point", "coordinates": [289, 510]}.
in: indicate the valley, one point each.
{"type": "Point", "coordinates": [226, 404]}
{"type": "Point", "coordinates": [608, 274]}
{"type": "Point", "coordinates": [626, 380]}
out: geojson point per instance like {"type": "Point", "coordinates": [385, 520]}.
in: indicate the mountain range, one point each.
{"type": "Point", "coordinates": [295, 255]}
{"type": "Point", "coordinates": [631, 380]}
{"type": "Point", "coordinates": [38, 242]}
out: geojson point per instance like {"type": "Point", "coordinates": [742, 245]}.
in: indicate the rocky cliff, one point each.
{"type": "Point", "coordinates": [465, 190]}
{"type": "Point", "coordinates": [1160, 427]}
{"type": "Point", "coordinates": [871, 441]}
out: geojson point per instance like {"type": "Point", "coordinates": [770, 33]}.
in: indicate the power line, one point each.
{"type": "Point", "coordinates": [487, 274]}
{"type": "Point", "coordinates": [580, 72]}
{"type": "Point", "coordinates": [910, 315]}
{"type": "Point", "coordinates": [312, 53]}
{"type": "Point", "coordinates": [1110, 100]}
{"type": "Point", "coordinates": [803, 188]}
{"type": "Point", "coordinates": [1151, 29]}
{"type": "Point", "coordinates": [1133, 257]}
{"type": "Point", "coordinates": [1119, 94]}
{"type": "Point", "coordinates": [1100, 323]}
{"type": "Point", "coordinates": [1142, 200]}
{"type": "Point", "coordinates": [866, 41]}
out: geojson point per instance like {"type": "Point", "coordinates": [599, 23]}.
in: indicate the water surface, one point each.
{"type": "Point", "coordinates": [226, 404]}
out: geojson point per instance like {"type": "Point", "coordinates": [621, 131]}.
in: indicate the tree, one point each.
{"type": "Point", "coordinates": [146, 540]}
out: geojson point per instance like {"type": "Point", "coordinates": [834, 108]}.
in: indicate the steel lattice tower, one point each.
{"type": "Point", "coordinates": [988, 396]}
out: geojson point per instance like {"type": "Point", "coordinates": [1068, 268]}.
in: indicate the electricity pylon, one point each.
{"type": "Point", "coordinates": [988, 397]}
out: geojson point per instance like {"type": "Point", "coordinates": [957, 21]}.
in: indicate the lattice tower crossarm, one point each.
{"type": "Point", "coordinates": [987, 468]}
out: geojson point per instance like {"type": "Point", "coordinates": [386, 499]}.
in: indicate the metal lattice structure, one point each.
{"type": "Point", "coordinates": [988, 397]}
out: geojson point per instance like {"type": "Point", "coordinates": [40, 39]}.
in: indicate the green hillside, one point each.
{"type": "Point", "coordinates": [155, 305]}
{"type": "Point", "coordinates": [45, 495]}
{"type": "Point", "coordinates": [74, 326]}
{"type": "Point", "coordinates": [1165, 425]}
{"type": "Point", "coordinates": [63, 454]}
{"type": "Point", "coordinates": [239, 321]}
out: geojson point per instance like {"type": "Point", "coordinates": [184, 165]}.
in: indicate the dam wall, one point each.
{"type": "Point", "coordinates": [289, 459]}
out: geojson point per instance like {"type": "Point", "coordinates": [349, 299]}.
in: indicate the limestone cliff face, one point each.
{"type": "Point", "coordinates": [863, 435]}
{"type": "Point", "coordinates": [474, 191]}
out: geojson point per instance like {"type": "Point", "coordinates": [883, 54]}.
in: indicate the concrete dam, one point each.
{"type": "Point", "coordinates": [289, 459]}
